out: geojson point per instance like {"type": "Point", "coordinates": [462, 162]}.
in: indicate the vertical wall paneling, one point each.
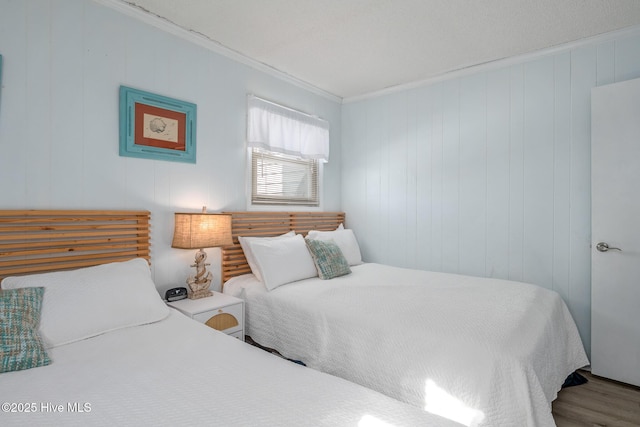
{"type": "Point", "coordinates": [363, 192]}
{"type": "Point", "coordinates": [15, 152]}
{"type": "Point", "coordinates": [451, 176]}
{"type": "Point", "coordinates": [66, 88]}
{"type": "Point", "coordinates": [104, 61]}
{"type": "Point", "coordinates": [355, 178]}
{"type": "Point", "coordinates": [385, 148]}
{"type": "Point", "coordinates": [497, 182]}
{"type": "Point", "coordinates": [428, 172]}
{"type": "Point", "coordinates": [561, 174]}
{"type": "Point", "coordinates": [411, 203]}
{"type": "Point", "coordinates": [438, 211]}
{"type": "Point", "coordinates": [397, 190]}
{"type": "Point", "coordinates": [38, 93]}
{"type": "Point", "coordinates": [472, 175]}
{"type": "Point", "coordinates": [227, 153]}
{"type": "Point", "coordinates": [502, 180]}
{"type": "Point", "coordinates": [538, 171]}
{"type": "Point", "coordinates": [376, 218]}
{"type": "Point", "coordinates": [516, 173]}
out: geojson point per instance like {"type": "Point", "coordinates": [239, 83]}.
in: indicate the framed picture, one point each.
{"type": "Point", "coordinates": [156, 127]}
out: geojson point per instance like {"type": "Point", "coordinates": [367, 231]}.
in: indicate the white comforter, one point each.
{"type": "Point", "coordinates": [475, 350]}
{"type": "Point", "coordinates": [180, 372]}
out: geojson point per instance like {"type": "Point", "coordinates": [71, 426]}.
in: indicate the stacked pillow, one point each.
{"type": "Point", "coordinates": [346, 241]}
{"type": "Point", "coordinates": [278, 260]}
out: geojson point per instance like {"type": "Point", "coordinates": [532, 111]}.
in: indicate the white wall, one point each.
{"type": "Point", "coordinates": [486, 174]}
{"type": "Point", "coordinates": [64, 61]}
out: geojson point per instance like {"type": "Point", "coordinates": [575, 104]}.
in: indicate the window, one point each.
{"type": "Point", "coordinates": [287, 149]}
{"type": "Point", "coordinates": [280, 179]}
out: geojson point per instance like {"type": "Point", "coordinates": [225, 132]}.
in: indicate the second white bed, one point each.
{"type": "Point", "coordinates": [475, 350]}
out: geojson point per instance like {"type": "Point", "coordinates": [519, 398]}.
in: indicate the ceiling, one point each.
{"type": "Point", "coordinates": [351, 48]}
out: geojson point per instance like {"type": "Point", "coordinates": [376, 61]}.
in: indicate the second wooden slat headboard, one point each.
{"type": "Point", "coordinates": [265, 224]}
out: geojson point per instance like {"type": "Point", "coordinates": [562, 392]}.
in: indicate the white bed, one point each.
{"type": "Point", "coordinates": [476, 350]}
{"type": "Point", "coordinates": [144, 364]}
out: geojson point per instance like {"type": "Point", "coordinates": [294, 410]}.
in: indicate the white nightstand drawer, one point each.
{"type": "Point", "coordinates": [227, 319]}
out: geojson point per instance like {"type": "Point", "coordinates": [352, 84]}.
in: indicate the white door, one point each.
{"type": "Point", "coordinates": [615, 221]}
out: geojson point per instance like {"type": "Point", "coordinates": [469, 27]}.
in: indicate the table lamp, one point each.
{"type": "Point", "coordinates": [198, 231]}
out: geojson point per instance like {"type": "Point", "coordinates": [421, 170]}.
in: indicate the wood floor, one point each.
{"type": "Point", "coordinates": [600, 402]}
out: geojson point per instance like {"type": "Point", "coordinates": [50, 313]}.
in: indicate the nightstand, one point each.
{"type": "Point", "coordinates": [219, 311]}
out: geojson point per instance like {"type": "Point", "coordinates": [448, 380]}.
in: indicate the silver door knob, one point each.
{"type": "Point", "coordinates": [604, 247]}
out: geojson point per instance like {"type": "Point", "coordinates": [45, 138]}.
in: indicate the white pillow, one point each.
{"type": "Point", "coordinates": [83, 303]}
{"type": "Point", "coordinates": [246, 243]}
{"type": "Point", "coordinates": [283, 260]}
{"type": "Point", "coordinates": [346, 241]}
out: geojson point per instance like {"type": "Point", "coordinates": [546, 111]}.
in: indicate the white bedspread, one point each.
{"type": "Point", "coordinates": [179, 372]}
{"type": "Point", "coordinates": [476, 350]}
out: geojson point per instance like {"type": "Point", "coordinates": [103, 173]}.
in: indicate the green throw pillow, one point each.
{"type": "Point", "coordinates": [328, 258]}
{"type": "Point", "coordinates": [20, 343]}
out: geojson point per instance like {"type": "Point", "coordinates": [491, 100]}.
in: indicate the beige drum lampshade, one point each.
{"type": "Point", "coordinates": [201, 230]}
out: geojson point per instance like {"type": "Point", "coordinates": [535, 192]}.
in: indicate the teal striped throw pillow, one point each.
{"type": "Point", "coordinates": [20, 344]}
{"type": "Point", "coordinates": [328, 258]}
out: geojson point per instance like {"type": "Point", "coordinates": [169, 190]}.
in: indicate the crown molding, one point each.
{"type": "Point", "coordinates": [128, 8]}
{"type": "Point", "coordinates": [500, 63]}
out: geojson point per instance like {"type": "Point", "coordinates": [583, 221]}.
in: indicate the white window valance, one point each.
{"type": "Point", "coordinates": [280, 129]}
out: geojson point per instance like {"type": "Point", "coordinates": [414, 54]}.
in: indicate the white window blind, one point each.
{"type": "Point", "coordinates": [279, 179]}
{"type": "Point", "coordinates": [280, 129]}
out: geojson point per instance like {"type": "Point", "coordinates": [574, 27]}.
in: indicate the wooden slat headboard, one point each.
{"type": "Point", "coordinates": [265, 224]}
{"type": "Point", "coordinates": [38, 241]}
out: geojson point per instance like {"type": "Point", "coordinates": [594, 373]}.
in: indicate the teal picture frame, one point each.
{"type": "Point", "coordinates": [156, 127]}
